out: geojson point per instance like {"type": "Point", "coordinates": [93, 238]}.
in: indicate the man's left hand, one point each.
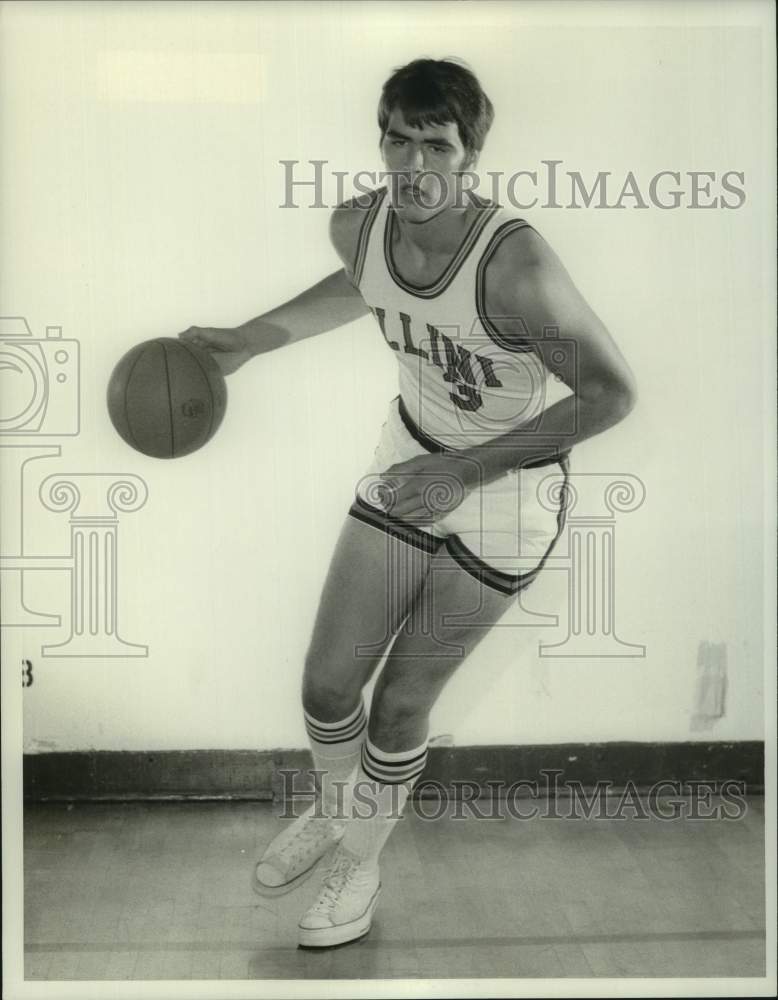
{"type": "Point", "coordinates": [428, 487]}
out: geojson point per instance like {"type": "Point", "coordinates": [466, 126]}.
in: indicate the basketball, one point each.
{"type": "Point", "coordinates": [166, 398]}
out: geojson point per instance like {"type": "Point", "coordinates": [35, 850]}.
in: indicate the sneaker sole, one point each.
{"type": "Point", "coordinates": [330, 937]}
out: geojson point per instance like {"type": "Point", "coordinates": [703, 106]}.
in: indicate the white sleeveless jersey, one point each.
{"type": "Point", "coordinates": [461, 383]}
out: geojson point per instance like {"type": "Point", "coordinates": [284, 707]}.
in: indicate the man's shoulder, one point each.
{"type": "Point", "coordinates": [353, 211]}
{"type": "Point", "coordinates": [517, 250]}
{"type": "Point", "coordinates": [518, 263]}
{"type": "Point", "coordinates": [517, 241]}
{"type": "Point", "coordinates": [347, 219]}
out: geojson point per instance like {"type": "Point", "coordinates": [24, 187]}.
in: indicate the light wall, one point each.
{"type": "Point", "coordinates": [140, 192]}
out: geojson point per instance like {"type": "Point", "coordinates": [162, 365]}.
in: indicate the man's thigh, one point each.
{"type": "Point", "coordinates": [452, 612]}
{"type": "Point", "coordinates": [371, 585]}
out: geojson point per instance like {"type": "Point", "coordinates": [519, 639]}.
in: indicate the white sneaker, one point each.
{"type": "Point", "coordinates": [293, 855]}
{"type": "Point", "coordinates": [344, 910]}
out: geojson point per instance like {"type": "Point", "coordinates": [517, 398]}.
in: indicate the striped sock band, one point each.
{"type": "Point", "coordinates": [386, 780]}
{"type": "Point", "coordinates": [393, 768]}
{"type": "Point", "coordinates": [335, 748]}
{"type": "Point", "coordinates": [337, 732]}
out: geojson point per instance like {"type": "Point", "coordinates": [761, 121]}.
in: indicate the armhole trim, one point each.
{"type": "Point", "coordinates": [514, 345]}
{"type": "Point", "coordinates": [376, 199]}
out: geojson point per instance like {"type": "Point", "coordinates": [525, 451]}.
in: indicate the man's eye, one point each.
{"type": "Point", "coordinates": [398, 142]}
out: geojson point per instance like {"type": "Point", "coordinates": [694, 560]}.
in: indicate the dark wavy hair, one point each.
{"type": "Point", "coordinates": [436, 92]}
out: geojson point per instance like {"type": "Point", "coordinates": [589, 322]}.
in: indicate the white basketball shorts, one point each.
{"type": "Point", "coordinates": [502, 533]}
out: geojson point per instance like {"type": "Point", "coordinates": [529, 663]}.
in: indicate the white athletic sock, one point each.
{"type": "Point", "coordinates": [336, 747]}
{"type": "Point", "coordinates": [381, 788]}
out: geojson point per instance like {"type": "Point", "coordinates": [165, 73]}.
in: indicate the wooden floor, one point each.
{"type": "Point", "coordinates": [162, 891]}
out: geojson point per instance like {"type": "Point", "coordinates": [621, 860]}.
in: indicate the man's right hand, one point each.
{"type": "Point", "coordinates": [228, 347]}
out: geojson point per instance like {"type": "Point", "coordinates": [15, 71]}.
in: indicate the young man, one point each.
{"type": "Point", "coordinates": [447, 525]}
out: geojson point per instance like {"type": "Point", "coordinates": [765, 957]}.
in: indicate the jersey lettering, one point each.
{"type": "Point", "coordinates": [405, 319]}
{"type": "Point", "coordinates": [457, 367]}
{"type": "Point", "coordinates": [380, 315]}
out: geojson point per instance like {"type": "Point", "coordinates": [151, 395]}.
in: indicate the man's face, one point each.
{"type": "Point", "coordinates": [425, 160]}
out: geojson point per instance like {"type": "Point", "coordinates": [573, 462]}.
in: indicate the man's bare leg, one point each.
{"type": "Point", "coordinates": [451, 614]}
{"type": "Point", "coordinates": [370, 588]}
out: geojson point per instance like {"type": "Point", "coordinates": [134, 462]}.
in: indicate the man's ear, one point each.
{"type": "Point", "coordinates": [471, 160]}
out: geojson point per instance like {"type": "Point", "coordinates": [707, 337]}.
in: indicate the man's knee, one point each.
{"type": "Point", "coordinates": [402, 693]}
{"type": "Point", "coordinates": [327, 688]}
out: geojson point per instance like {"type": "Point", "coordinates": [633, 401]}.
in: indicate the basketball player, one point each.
{"type": "Point", "coordinates": [447, 525]}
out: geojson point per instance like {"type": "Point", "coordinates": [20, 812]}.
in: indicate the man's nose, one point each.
{"type": "Point", "coordinates": [415, 160]}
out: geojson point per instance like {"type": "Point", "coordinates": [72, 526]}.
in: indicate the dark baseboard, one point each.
{"type": "Point", "coordinates": [106, 775]}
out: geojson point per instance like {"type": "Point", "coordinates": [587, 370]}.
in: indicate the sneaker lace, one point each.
{"type": "Point", "coordinates": [336, 877]}
{"type": "Point", "coordinates": [311, 833]}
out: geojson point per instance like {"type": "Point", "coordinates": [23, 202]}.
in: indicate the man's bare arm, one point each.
{"type": "Point", "coordinates": [330, 303]}
{"type": "Point", "coordinates": [527, 290]}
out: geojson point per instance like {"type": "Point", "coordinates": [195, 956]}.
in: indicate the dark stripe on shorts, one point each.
{"type": "Point", "coordinates": [507, 583]}
{"type": "Point", "coordinates": [377, 518]}
{"type": "Point", "coordinates": [434, 446]}
{"type": "Point", "coordinates": [417, 433]}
